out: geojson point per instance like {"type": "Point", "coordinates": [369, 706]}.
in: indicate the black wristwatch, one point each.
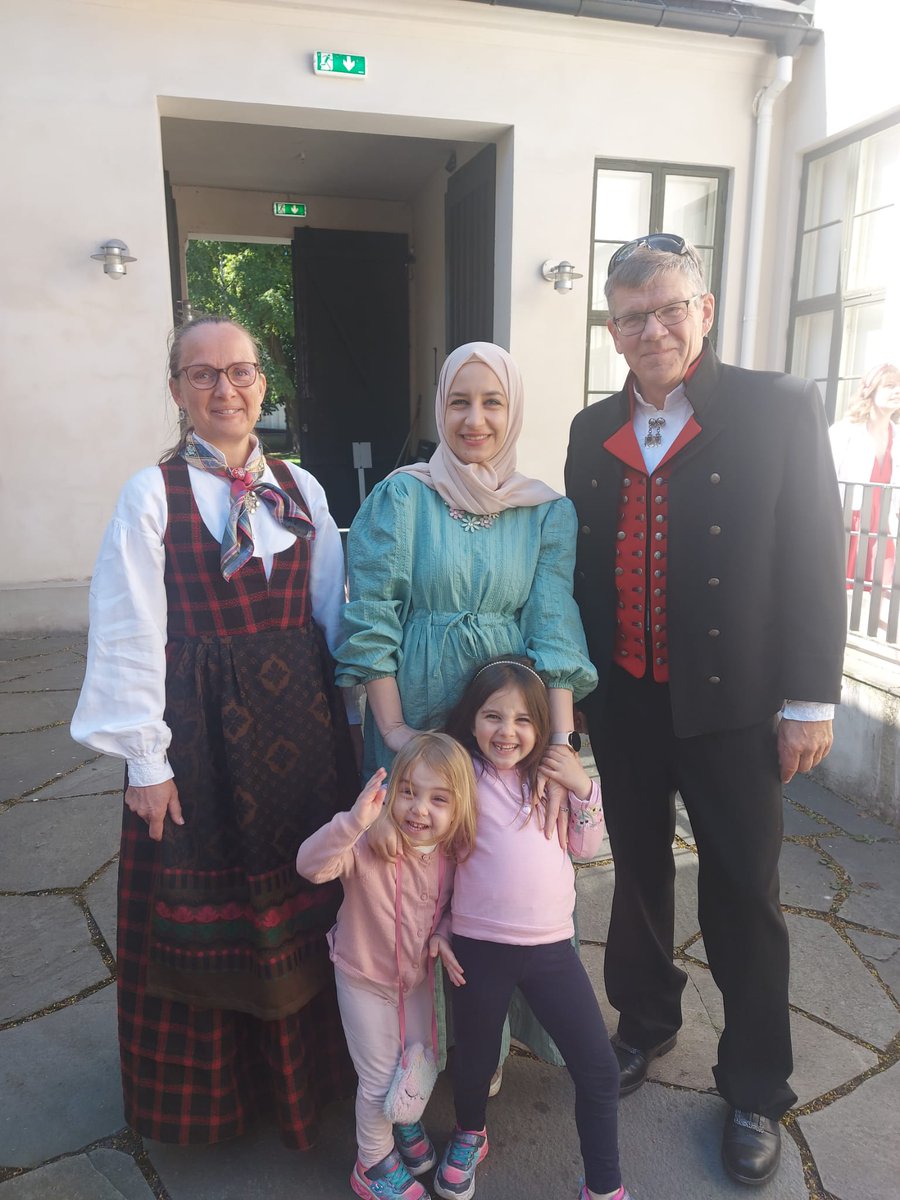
{"type": "Point", "coordinates": [572, 739]}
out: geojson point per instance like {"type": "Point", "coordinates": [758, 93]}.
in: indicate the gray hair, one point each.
{"type": "Point", "coordinates": [645, 266]}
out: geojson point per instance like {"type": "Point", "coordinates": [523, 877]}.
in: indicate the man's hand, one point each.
{"type": "Point", "coordinates": [152, 804]}
{"type": "Point", "coordinates": [802, 745]}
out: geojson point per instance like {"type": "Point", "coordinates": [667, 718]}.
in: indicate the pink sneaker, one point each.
{"type": "Point", "coordinates": [621, 1194]}
{"type": "Point", "coordinates": [386, 1180]}
{"type": "Point", "coordinates": [415, 1148]}
{"type": "Point", "coordinates": [455, 1177]}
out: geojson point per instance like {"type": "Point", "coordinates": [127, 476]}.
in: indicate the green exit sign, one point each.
{"type": "Point", "coordinates": [289, 210]}
{"type": "Point", "coordinates": [349, 66]}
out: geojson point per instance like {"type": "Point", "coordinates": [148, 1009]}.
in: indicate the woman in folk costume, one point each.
{"type": "Point", "coordinates": [219, 582]}
{"type": "Point", "coordinates": [456, 561]}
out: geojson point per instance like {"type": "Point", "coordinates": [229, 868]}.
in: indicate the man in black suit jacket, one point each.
{"type": "Point", "coordinates": [710, 580]}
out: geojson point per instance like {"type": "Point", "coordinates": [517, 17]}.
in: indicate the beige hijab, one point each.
{"type": "Point", "coordinates": [491, 486]}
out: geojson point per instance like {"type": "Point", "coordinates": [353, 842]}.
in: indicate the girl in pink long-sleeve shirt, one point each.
{"type": "Point", "coordinates": [385, 928]}
{"type": "Point", "coordinates": [513, 900]}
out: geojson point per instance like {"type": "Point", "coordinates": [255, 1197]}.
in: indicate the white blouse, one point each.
{"type": "Point", "coordinates": [120, 709]}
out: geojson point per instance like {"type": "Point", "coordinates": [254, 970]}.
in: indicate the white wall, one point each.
{"type": "Point", "coordinates": [83, 88]}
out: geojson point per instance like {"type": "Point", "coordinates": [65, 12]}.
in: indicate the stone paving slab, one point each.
{"type": "Point", "coordinates": [28, 760]}
{"type": "Point", "coordinates": [883, 953]}
{"type": "Point", "coordinates": [56, 843]}
{"type": "Point", "coordinates": [34, 710]}
{"type": "Point", "coordinates": [47, 954]}
{"type": "Point", "coordinates": [102, 775]}
{"type": "Point", "coordinates": [99, 1175]}
{"type": "Point", "coordinates": [56, 673]}
{"type": "Point", "coordinates": [102, 901]}
{"type": "Point", "coordinates": [874, 898]}
{"type": "Point", "coordinates": [595, 891]}
{"type": "Point", "coordinates": [856, 1140]}
{"type": "Point", "coordinates": [63, 1072]}
{"type": "Point", "coordinates": [28, 646]}
{"type": "Point", "coordinates": [841, 812]}
{"type": "Point", "coordinates": [669, 1147]}
{"type": "Point", "coordinates": [800, 824]}
{"type": "Point", "coordinates": [807, 881]}
{"type": "Point", "coordinates": [829, 981]}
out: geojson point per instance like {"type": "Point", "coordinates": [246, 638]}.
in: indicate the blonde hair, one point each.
{"type": "Point", "coordinates": [864, 398]}
{"type": "Point", "coordinates": [446, 757]}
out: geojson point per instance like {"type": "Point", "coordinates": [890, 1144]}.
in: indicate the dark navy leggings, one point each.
{"type": "Point", "coordinates": [554, 982]}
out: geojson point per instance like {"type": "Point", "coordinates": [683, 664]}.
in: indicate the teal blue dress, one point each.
{"type": "Point", "coordinates": [432, 598]}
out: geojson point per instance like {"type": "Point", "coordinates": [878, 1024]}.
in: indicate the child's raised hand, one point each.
{"type": "Point", "coordinates": [370, 800]}
{"type": "Point", "coordinates": [439, 946]}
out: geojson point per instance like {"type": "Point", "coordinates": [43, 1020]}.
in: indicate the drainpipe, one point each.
{"type": "Point", "coordinates": [763, 104]}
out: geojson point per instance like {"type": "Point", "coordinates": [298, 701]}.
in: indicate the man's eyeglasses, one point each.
{"type": "Point", "coordinates": [205, 377]}
{"type": "Point", "coordinates": [669, 242]}
{"type": "Point", "coordinates": [668, 315]}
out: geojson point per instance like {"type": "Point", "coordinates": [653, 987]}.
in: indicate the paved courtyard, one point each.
{"type": "Point", "coordinates": [62, 1132]}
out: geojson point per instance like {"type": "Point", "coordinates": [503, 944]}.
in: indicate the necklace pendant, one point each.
{"type": "Point", "coordinates": [252, 502]}
{"type": "Point", "coordinates": [526, 810]}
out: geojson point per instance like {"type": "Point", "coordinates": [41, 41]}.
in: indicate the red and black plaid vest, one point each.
{"type": "Point", "coordinates": [200, 601]}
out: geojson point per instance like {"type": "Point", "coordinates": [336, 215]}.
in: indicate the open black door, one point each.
{"type": "Point", "coordinates": [469, 247]}
{"type": "Point", "coordinates": [351, 307]}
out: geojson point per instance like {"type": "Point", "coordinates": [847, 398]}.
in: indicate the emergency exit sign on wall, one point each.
{"type": "Point", "coordinates": [348, 66]}
{"type": "Point", "coordinates": [288, 209]}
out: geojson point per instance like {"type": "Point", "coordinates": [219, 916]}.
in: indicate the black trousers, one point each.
{"type": "Point", "coordinates": [729, 782]}
{"type": "Point", "coordinates": [554, 982]}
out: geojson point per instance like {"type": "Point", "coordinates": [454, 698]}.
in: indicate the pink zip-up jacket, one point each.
{"type": "Point", "coordinates": [517, 886]}
{"type": "Point", "coordinates": [363, 937]}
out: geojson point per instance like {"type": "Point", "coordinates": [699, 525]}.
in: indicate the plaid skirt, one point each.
{"type": "Point", "coordinates": [226, 996]}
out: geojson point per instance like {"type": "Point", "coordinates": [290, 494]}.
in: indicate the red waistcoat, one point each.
{"type": "Point", "coordinates": [641, 552]}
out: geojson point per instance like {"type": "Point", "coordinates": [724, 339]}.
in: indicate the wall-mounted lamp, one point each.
{"type": "Point", "coordinates": [114, 255]}
{"type": "Point", "coordinates": [560, 273]}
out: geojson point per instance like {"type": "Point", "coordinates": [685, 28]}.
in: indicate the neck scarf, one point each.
{"type": "Point", "coordinates": [247, 489]}
{"type": "Point", "coordinates": [490, 487]}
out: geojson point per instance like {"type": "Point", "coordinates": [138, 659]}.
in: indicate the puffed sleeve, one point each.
{"type": "Point", "coordinates": [380, 554]}
{"type": "Point", "coordinates": [550, 623]}
{"type": "Point", "coordinates": [120, 709]}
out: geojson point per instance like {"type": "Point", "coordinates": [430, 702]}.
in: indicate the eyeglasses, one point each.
{"type": "Point", "coordinates": [204, 377]}
{"type": "Point", "coordinates": [668, 315]}
{"type": "Point", "coordinates": [669, 242]}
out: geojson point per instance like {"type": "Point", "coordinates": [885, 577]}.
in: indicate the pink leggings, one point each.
{"type": "Point", "coordinates": [372, 1028]}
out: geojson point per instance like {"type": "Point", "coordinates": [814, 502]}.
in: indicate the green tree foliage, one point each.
{"type": "Point", "coordinates": [252, 283]}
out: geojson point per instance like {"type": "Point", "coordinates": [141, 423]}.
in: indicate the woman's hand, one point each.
{"type": "Point", "coordinates": [370, 800]}
{"type": "Point", "coordinates": [397, 737]}
{"type": "Point", "coordinates": [152, 804]}
{"type": "Point", "coordinates": [438, 946]}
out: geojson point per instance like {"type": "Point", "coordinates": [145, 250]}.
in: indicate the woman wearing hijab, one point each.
{"type": "Point", "coordinates": [219, 582]}
{"type": "Point", "coordinates": [457, 560]}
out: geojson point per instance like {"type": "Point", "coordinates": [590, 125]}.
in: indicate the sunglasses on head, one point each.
{"type": "Point", "coordinates": [669, 242]}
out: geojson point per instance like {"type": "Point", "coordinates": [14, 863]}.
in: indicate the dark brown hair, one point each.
{"type": "Point", "coordinates": [506, 670]}
{"type": "Point", "coordinates": [176, 344]}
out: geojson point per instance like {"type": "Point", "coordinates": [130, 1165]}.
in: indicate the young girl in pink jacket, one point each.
{"type": "Point", "coordinates": [385, 933]}
{"type": "Point", "coordinates": [512, 926]}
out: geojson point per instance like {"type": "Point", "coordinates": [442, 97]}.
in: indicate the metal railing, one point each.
{"type": "Point", "coordinates": [871, 512]}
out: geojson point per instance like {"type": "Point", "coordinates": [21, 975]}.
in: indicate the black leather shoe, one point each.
{"type": "Point", "coordinates": [633, 1063]}
{"type": "Point", "coordinates": [751, 1147]}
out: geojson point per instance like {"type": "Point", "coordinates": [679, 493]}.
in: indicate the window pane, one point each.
{"type": "Point", "coordinates": [864, 343]}
{"type": "Point", "coordinates": [879, 170]}
{"type": "Point", "coordinates": [606, 368]}
{"type": "Point", "coordinates": [603, 252]}
{"type": "Point", "coordinates": [820, 262]}
{"type": "Point", "coordinates": [690, 208]}
{"type": "Point", "coordinates": [845, 391]}
{"type": "Point", "coordinates": [873, 238]}
{"type": "Point", "coordinates": [827, 188]}
{"type": "Point", "coordinates": [623, 205]}
{"type": "Point", "coordinates": [812, 345]}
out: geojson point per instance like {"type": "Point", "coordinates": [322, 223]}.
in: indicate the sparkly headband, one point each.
{"type": "Point", "coordinates": [507, 662]}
